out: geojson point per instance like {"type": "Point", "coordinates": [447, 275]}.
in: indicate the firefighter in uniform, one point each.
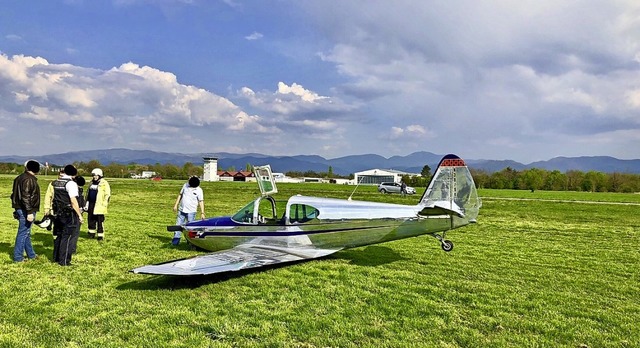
{"type": "Point", "coordinates": [98, 197]}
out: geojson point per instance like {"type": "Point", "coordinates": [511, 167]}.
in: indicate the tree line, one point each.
{"type": "Point", "coordinates": [572, 180]}
{"type": "Point", "coordinates": [508, 178]}
{"type": "Point", "coordinates": [540, 179]}
{"type": "Point", "coordinates": [116, 170]}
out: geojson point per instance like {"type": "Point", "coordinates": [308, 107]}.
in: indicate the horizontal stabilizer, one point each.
{"type": "Point", "coordinates": [244, 256]}
{"type": "Point", "coordinates": [441, 208]}
{"type": "Point", "coordinates": [174, 228]}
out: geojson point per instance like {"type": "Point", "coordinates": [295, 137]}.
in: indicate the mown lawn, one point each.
{"type": "Point", "coordinates": [538, 272]}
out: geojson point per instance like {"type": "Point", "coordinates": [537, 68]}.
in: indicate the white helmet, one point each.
{"type": "Point", "coordinates": [44, 223]}
{"type": "Point", "coordinates": [97, 172]}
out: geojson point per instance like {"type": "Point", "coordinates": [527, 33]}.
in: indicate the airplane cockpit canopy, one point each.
{"type": "Point", "coordinates": [266, 182]}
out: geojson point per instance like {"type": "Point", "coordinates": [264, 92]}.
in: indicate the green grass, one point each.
{"type": "Point", "coordinates": [531, 273]}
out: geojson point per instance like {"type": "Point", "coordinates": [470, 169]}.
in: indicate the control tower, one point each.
{"type": "Point", "coordinates": [210, 169]}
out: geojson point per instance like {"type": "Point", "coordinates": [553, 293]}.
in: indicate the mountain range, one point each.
{"type": "Point", "coordinates": [412, 163]}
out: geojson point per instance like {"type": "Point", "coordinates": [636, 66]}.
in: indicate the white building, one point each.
{"type": "Point", "coordinates": [210, 169]}
{"type": "Point", "coordinates": [376, 176]}
{"type": "Point", "coordinates": [280, 177]}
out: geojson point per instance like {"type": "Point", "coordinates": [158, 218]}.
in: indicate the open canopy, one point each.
{"type": "Point", "coordinates": [265, 180]}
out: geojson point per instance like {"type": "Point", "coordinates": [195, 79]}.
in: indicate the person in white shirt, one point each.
{"type": "Point", "coordinates": [190, 197]}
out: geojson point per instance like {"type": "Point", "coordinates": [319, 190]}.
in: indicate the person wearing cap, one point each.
{"type": "Point", "coordinates": [98, 197]}
{"type": "Point", "coordinates": [189, 198]}
{"type": "Point", "coordinates": [25, 200]}
{"type": "Point", "coordinates": [48, 211]}
{"type": "Point", "coordinates": [68, 215]}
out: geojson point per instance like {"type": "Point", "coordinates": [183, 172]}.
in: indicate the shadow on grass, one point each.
{"type": "Point", "coordinates": [166, 242]}
{"type": "Point", "coordinates": [46, 238]}
{"type": "Point", "coordinates": [373, 255]}
{"type": "Point", "coordinates": [7, 248]}
{"type": "Point", "coordinates": [160, 282]}
{"type": "Point", "coordinates": [36, 238]}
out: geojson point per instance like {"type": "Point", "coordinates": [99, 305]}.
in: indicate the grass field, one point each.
{"type": "Point", "coordinates": [541, 269]}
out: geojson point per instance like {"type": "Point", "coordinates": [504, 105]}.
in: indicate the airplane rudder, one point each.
{"type": "Point", "coordinates": [450, 165]}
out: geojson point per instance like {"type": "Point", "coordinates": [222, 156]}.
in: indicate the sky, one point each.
{"type": "Point", "coordinates": [524, 80]}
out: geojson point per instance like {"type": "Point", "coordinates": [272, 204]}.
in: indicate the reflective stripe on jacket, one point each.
{"type": "Point", "coordinates": [102, 197]}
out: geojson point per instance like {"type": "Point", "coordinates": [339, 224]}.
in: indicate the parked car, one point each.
{"type": "Point", "coordinates": [393, 187]}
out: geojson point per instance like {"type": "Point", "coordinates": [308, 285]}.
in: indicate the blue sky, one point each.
{"type": "Point", "coordinates": [521, 80]}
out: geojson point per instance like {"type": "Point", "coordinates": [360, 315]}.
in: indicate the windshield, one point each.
{"type": "Point", "coordinates": [246, 213]}
{"type": "Point", "coordinates": [263, 210]}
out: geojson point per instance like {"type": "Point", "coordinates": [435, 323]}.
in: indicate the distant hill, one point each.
{"type": "Point", "coordinates": [598, 163]}
{"type": "Point", "coordinates": [412, 163]}
{"type": "Point", "coordinates": [494, 165]}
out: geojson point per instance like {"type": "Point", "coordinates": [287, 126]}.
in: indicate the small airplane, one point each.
{"type": "Point", "coordinates": [313, 227]}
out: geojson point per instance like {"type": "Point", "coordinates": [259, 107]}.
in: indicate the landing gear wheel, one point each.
{"type": "Point", "coordinates": [447, 245]}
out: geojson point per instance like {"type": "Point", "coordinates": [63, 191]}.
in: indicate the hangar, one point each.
{"type": "Point", "coordinates": [376, 176]}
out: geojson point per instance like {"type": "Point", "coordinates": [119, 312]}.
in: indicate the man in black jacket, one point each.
{"type": "Point", "coordinates": [25, 200]}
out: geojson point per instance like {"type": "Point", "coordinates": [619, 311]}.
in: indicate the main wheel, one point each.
{"type": "Point", "coordinates": [447, 245]}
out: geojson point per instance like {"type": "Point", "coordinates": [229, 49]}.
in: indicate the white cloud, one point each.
{"type": "Point", "coordinates": [251, 124]}
{"type": "Point", "coordinates": [412, 131]}
{"type": "Point", "coordinates": [470, 71]}
{"type": "Point", "coordinates": [299, 91]}
{"type": "Point", "coordinates": [532, 77]}
{"type": "Point", "coordinates": [633, 98]}
{"type": "Point", "coordinates": [128, 100]}
{"type": "Point", "coordinates": [13, 37]}
{"type": "Point", "coordinates": [396, 132]}
{"type": "Point", "coordinates": [295, 102]}
{"type": "Point", "coordinates": [254, 36]}
{"type": "Point", "coordinates": [416, 129]}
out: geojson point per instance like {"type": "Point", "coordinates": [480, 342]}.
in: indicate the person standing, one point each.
{"type": "Point", "coordinates": [25, 200]}
{"type": "Point", "coordinates": [98, 197]}
{"type": "Point", "coordinates": [80, 181]}
{"type": "Point", "coordinates": [403, 188]}
{"type": "Point", "coordinates": [189, 198]}
{"type": "Point", "coordinates": [48, 211]}
{"type": "Point", "coordinates": [68, 215]}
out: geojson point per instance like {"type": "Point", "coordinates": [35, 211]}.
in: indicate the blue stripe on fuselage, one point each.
{"type": "Point", "coordinates": [216, 221]}
{"type": "Point", "coordinates": [283, 233]}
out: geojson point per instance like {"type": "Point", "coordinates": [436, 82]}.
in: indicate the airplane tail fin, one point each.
{"type": "Point", "coordinates": [452, 191]}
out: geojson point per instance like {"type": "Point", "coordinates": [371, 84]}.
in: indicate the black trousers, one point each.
{"type": "Point", "coordinates": [95, 222]}
{"type": "Point", "coordinates": [65, 244]}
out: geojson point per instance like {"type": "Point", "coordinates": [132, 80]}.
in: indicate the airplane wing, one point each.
{"type": "Point", "coordinates": [241, 257]}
